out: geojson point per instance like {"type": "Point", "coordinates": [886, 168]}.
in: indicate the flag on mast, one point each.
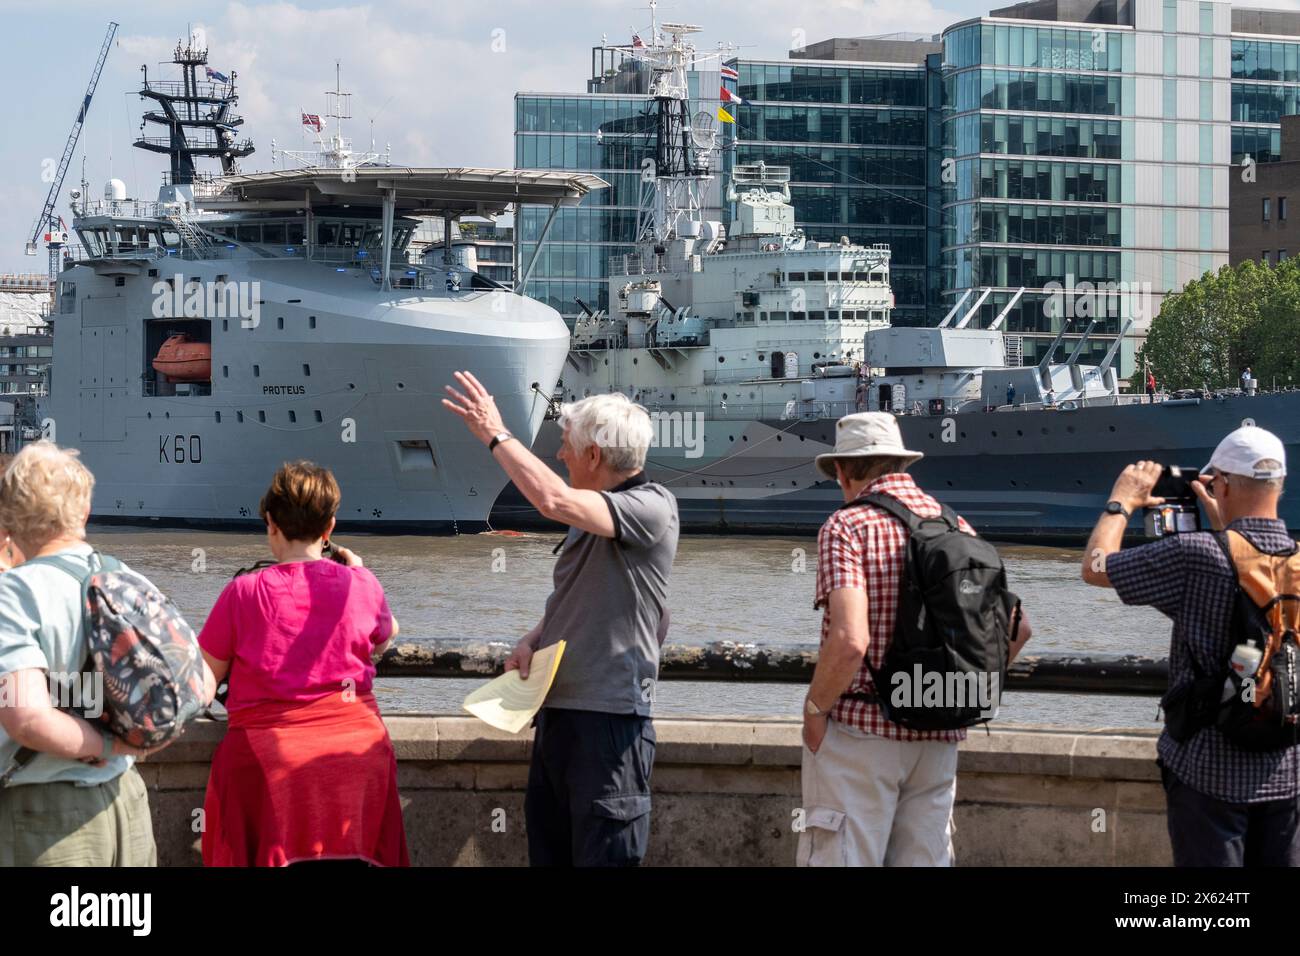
{"type": "Point", "coordinates": [214, 75]}
{"type": "Point", "coordinates": [724, 116]}
{"type": "Point", "coordinates": [312, 120]}
{"type": "Point", "coordinates": [730, 97]}
{"type": "Point", "coordinates": [729, 73]}
{"type": "Point", "coordinates": [636, 41]}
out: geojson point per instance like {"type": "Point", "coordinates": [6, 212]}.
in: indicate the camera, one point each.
{"type": "Point", "coordinates": [1180, 512]}
{"type": "Point", "coordinates": [331, 551]}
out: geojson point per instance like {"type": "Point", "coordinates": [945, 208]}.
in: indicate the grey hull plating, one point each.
{"type": "Point", "coordinates": [1017, 475]}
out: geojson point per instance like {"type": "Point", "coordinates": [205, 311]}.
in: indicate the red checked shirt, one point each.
{"type": "Point", "coordinates": [865, 548]}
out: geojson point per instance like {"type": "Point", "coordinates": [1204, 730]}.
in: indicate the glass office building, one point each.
{"type": "Point", "coordinates": [855, 139]}
{"type": "Point", "coordinates": [1090, 156]}
{"type": "Point", "coordinates": [1078, 148]}
{"type": "Point", "coordinates": [607, 131]}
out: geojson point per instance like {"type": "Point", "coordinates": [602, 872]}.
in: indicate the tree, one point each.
{"type": "Point", "coordinates": [1222, 322]}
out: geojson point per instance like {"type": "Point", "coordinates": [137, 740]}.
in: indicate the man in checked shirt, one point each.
{"type": "Point", "coordinates": [1225, 806]}
{"type": "Point", "coordinates": [874, 793]}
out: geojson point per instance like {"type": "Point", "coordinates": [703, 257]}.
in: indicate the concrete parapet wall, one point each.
{"type": "Point", "coordinates": [725, 794]}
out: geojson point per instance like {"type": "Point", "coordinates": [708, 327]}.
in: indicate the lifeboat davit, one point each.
{"type": "Point", "coordinates": [182, 359]}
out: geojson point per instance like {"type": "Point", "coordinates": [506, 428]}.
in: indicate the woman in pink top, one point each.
{"type": "Point", "coordinates": [306, 770]}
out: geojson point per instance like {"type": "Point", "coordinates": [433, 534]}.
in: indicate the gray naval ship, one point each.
{"type": "Point", "coordinates": [746, 342]}
{"type": "Point", "coordinates": [244, 319]}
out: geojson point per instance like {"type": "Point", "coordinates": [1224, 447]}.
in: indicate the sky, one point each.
{"type": "Point", "coordinates": [437, 80]}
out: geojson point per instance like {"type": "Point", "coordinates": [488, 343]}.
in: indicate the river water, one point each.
{"type": "Point", "coordinates": [751, 589]}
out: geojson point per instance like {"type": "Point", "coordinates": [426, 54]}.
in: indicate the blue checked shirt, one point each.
{"type": "Point", "coordinates": [1188, 578]}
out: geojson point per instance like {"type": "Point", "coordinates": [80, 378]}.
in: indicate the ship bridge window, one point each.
{"type": "Point", "coordinates": [817, 316]}
{"type": "Point", "coordinates": [777, 316]}
{"type": "Point", "coordinates": [862, 276]}
{"type": "Point", "coordinates": [796, 277]}
{"type": "Point", "coordinates": [816, 277]}
{"type": "Point", "coordinates": [798, 316]}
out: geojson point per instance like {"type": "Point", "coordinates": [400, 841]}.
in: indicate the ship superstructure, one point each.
{"type": "Point", "coordinates": [247, 318]}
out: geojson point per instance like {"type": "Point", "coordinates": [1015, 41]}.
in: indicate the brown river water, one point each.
{"type": "Point", "coordinates": [751, 589]}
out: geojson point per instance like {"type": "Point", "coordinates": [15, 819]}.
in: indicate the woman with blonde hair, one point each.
{"type": "Point", "coordinates": [306, 771]}
{"type": "Point", "coordinates": [79, 801]}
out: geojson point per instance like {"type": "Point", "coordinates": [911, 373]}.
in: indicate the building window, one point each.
{"type": "Point", "coordinates": [1281, 209]}
{"type": "Point", "coordinates": [1263, 256]}
{"type": "Point", "coordinates": [1281, 256]}
{"type": "Point", "coordinates": [1267, 207]}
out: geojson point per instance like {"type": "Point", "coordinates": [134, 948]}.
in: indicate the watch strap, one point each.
{"type": "Point", "coordinates": [498, 439]}
{"type": "Point", "coordinates": [1121, 510]}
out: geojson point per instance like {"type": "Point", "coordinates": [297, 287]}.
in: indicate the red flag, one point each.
{"type": "Point", "coordinates": [636, 41]}
{"type": "Point", "coordinates": [312, 120]}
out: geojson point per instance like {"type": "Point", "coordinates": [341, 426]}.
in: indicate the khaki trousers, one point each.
{"type": "Point", "coordinates": [61, 824]}
{"type": "Point", "coordinates": [872, 801]}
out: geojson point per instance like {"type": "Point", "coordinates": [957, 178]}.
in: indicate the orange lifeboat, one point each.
{"type": "Point", "coordinates": [182, 359]}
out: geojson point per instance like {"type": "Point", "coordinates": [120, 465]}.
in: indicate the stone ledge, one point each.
{"type": "Point", "coordinates": [1107, 753]}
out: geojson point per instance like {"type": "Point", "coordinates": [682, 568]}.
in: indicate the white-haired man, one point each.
{"type": "Point", "coordinates": [588, 796]}
{"type": "Point", "coordinates": [1226, 806]}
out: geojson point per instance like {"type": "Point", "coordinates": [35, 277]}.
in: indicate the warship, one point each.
{"type": "Point", "coordinates": [247, 318]}
{"type": "Point", "coordinates": [747, 341]}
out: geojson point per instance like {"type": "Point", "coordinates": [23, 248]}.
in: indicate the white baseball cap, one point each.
{"type": "Point", "coordinates": [1238, 453]}
{"type": "Point", "coordinates": [864, 435]}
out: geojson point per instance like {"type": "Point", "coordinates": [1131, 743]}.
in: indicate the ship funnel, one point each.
{"type": "Point", "coordinates": [953, 311]}
{"type": "Point", "coordinates": [997, 323]}
{"type": "Point", "coordinates": [965, 320]}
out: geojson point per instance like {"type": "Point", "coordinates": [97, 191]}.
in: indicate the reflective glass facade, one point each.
{"type": "Point", "coordinates": [560, 132]}
{"type": "Point", "coordinates": [1089, 153]}
{"type": "Point", "coordinates": [855, 138]}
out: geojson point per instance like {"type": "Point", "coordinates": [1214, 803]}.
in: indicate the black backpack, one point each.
{"type": "Point", "coordinates": [947, 662]}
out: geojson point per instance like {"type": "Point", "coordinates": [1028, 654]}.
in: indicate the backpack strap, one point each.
{"type": "Point", "coordinates": [892, 506]}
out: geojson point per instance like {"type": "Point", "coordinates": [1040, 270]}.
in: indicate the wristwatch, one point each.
{"type": "Point", "coordinates": [1117, 508]}
{"type": "Point", "coordinates": [497, 439]}
{"type": "Point", "coordinates": [811, 709]}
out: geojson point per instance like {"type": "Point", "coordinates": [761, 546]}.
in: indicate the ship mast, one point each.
{"type": "Point", "coordinates": [673, 185]}
{"type": "Point", "coordinates": [196, 115]}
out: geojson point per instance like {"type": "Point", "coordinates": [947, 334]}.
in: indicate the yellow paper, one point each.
{"type": "Point", "coordinates": [509, 703]}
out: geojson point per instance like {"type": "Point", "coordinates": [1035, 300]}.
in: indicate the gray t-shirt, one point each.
{"type": "Point", "coordinates": [40, 628]}
{"type": "Point", "coordinates": [610, 602]}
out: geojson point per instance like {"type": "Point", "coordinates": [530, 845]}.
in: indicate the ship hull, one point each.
{"type": "Point", "coordinates": [332, 371]}
{"type": "Point", "coordinates": [1037, 476]}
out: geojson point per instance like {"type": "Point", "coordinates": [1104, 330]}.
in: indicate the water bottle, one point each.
{"type": "Point", "coordinates": [1244, 663]}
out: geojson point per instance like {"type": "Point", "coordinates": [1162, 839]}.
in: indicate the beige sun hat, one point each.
{"type": "Point", "coordinates": [866, 435]}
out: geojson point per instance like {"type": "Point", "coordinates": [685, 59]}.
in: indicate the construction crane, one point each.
{"type": "Point", "coordinates": [49, 226]}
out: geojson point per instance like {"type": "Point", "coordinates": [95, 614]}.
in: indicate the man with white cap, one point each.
{"type": "Point", "coordinates": [874, 793]}
{"type": "Point", "coordinates": [1226, 806]}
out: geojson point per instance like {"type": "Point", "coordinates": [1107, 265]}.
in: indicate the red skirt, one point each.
{"type": "Point", "coordinates": [293, 782]}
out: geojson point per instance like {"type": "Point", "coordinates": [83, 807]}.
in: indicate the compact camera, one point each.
{"type": "Point", "coordinates": [1181, 511]}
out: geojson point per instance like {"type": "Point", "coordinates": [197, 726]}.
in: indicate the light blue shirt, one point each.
{"type": "Point", "coordinates": [40, 627]}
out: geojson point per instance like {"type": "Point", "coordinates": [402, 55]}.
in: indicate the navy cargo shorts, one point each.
{"type": "Point", "coordinates": [588, 797]}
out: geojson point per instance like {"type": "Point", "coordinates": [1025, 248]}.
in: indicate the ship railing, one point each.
{"type": "Point", "coordinates": [24, 282]}
{"type": "Point", "coordinates": [637, 265]}
{"type": "Point", "coordinates": [726, 410]}
{"type": "Point", "coordinates": [202, 89]}
{"type": "Point", "coordinates": [123, 209]}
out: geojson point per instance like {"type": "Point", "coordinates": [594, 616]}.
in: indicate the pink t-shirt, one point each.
{"type": "Point", "coordinates": [297, 632]}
